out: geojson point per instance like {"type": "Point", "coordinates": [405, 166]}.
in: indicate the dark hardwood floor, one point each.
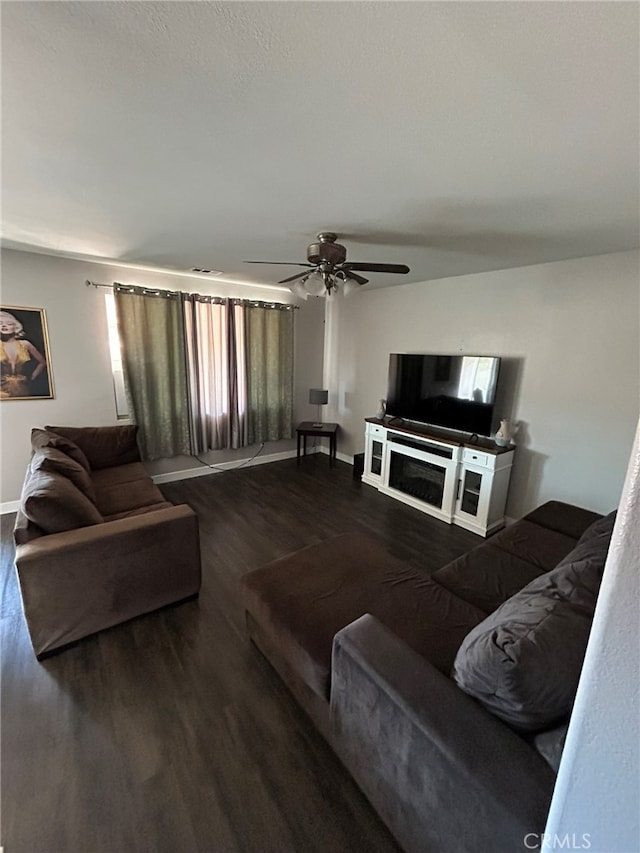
{"type": "Point", "coordinates": [171, 732]}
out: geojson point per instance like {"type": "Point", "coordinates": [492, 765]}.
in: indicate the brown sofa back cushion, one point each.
{"type": "Point", "coordinates": [42, 438]}
{"type": "Point", "coordinates": [54, 504]}
{"type": "Point", "coordinates": [493, 572]}
{"type": "Point", "coordinates": [53, 460]}
{"type": "Point", "coordinates": [564, 518]}
{"type": "Point", "coordinates": [105, 446]}
{"type": "Point", "coordinates": [523, 662]}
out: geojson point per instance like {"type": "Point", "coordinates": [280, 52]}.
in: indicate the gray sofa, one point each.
{"type": "Point", "coordinates": [447, 697]}
{"type": "Point", "coordinates": [96, 542]}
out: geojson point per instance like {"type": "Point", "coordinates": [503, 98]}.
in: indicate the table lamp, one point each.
{"type": "Point", "coordinates": [318, 397]}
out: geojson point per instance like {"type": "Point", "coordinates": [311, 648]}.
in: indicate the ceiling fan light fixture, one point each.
{"type": "Point", "coordinates": [324, 283]}
{"type": "Point", "coordinates": [349, 287]}
{"type": "Point", "coordinates": [299, 289]}
{"type": "Point", "coordinates": [314, 283]}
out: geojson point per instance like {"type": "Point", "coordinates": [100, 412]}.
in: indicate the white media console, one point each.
{"type": "Point", "coordinates": [463, 484]}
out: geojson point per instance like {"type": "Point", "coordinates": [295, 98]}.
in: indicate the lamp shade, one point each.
{"type": "Point", "coordinates": [349, 287]}
{"type": "Point", "coordinates": [314, 284]}
{"type": "Point", "coordinates": [318, 396]}
{"type": "Point", "coordinates": [323, 281]}
{"type": "Point", "coordinates": [299, 289]}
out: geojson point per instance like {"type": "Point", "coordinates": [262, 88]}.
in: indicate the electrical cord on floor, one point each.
{"type": "Point", "coordinates": [227, 467]}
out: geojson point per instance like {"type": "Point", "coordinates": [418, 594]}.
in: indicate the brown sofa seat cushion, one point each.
{"type": "Point", "coordinates": [122, 498]}
{"type": "Point", "coordinates": [51, 459]}
{"type": "Point", "coordinates": [140, 511]}
{"type": "Point", "coordinates": [540, 546]}
{"type": "Point", "coordinates": [486, 576]}
{"type": "Point", "coordinates": [304, 599]}
{"type": "Point", "coordinates": [43, 438]}
{"type": "Point", "coordinates": [105, 446]}
{"type": "Point", "coordinates": [524, 661]}
{"type": "Point", "coordinates": [104, 477]}
{"type": "Point", "coordinates": [54, 504]}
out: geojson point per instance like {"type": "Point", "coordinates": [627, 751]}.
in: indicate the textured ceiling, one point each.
{"type": "Point", "coordinates": [455, 137]}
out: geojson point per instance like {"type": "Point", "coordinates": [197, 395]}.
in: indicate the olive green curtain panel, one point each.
{"type": "Point", "coordinates": [204, 373]}
{"type": "Point", "coordinates": [269, 347]}
{"type": "Point", "coordinates": [153, 357]}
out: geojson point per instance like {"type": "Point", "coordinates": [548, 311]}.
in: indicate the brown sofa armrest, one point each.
{"type": "Point", "coordinates": [81, 581]}
{"type": "Point", "coordinates": [427, 756]}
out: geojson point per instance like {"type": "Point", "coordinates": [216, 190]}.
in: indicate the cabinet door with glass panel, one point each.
{"type": "Point", "coordinates": [374, 450]}
{"type": "Point", "coordinates": [482, 490]}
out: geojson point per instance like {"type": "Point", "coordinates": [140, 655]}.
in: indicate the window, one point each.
{"type": "Point", "coordinates": [115, 349]}
{"type": "Point", "coordinates": [203, 373]}
{"type": "Point", "coordinates": [477, 378]}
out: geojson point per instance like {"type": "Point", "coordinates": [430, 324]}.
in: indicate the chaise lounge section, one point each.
{"type": "Point", "coordinates": [96, 542]}
{"type": "Point", "coordinates": [388, 661]}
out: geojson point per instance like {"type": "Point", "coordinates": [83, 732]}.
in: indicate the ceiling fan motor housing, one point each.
{"type": "Point", "coordinates": [326, 251]}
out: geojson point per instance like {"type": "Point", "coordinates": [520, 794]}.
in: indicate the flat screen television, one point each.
{"type": "Point", "coordinates": [456, 392]}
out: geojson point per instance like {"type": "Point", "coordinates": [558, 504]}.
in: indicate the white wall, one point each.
{"type": "Point", "coordinates": [80, 362]}
{"type": "Point", "coordinates": [597, 792]}
{"type": "Point", "coordinates": [569, 332]}
{"type": "Point", "coordinates": [570, 329]}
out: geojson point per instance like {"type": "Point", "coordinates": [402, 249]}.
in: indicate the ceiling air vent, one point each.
{"type": "Point", "coordinates": [203, 271]}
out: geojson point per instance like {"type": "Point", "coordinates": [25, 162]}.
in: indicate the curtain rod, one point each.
{"type": "Point", "coordinates": [132, 288]}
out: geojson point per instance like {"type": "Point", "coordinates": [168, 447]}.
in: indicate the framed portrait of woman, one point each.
{"type": "Point", "coordinates": [25, 363]}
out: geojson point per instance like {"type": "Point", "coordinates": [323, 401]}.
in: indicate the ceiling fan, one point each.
{"type": "Point", "coordinates": [328, 269]}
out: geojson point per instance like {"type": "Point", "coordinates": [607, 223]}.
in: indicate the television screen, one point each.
{"type": "Point", "coordinates": [452, 391]}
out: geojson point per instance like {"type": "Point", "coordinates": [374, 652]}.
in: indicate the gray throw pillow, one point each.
{"type": "Point", "coordinates": [523, 662]}
{"type": "Point", "coordinates": [603, 526]}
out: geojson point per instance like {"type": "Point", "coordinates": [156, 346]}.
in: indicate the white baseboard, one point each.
{"type": "Point", "coordinates": [204, 470]}
{"type": "Point", "coordinates": [341, 456]}
{"type": "Point", "coordinates": [219, 467]}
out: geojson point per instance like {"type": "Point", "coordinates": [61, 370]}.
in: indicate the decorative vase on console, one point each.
{"type": "Point", "coordinates": [382, 410]}
{"type": "Point", "coordinates": [504, 434]}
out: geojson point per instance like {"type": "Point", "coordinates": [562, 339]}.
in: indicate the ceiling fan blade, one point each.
{"type": "Point", "coordinates": [400, 269]}
{"type": "Point", "coordinates": [355, 277]}
{"type": "Point", "coordinates": [280, 263]}
{"type": "Point", "coordinates": [293, 277]}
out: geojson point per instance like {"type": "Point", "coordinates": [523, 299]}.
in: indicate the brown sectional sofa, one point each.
{"type": "Point", "coordinates": [375, 652]}
{"type": "Point", "coordinates": [96, 542]}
